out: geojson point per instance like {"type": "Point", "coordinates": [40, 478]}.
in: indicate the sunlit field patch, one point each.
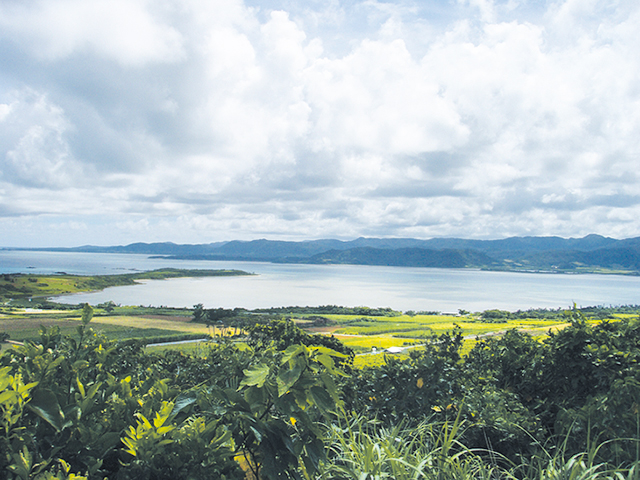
{"type": "Point", "coordinates": [21, 329]}
{"type": "Point", "coordinates": [377, 360]}
{"type": "Point", "coordinates": [380, 342]}
{"type": "Point", "coordinates": [423, 329]}
{"type": "Point", "coordinates": [198, 349]}
{"type": "Point", "coordinates": [154, 322]}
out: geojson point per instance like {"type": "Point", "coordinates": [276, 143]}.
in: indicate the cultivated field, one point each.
{"type": "Point", "coordinates": [369, 336]}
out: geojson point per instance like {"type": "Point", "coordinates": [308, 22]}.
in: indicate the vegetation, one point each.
{"type": "Point", "coordinates": [26, 286]}
{"type": "Point", "coordinates": [331, 310]}
{"type": "Point", "coordinates": [278, 403]}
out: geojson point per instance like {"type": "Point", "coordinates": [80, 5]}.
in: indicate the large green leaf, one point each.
{"type": "Point", "coordinates": [315, 451]}
{"type": "Point", "coordinates": [45, 404]}
{"type": "Point", "coordinates": [327, 361]}
{"type": "Point", "coordinates": [330, 385]}
{"type": "Point", "coordinates": [256, 375]}
{"type": "Point", "coordinates": [255, 397]}
{"type": "Point", "coordinates": [328, 351]}
{"type": "Point", "coordinates": [321, 398]}
{"type": "Point", "coordinates": [293, 351]}
{"type": "Point", "coordinates": [183, 401]}
{"type": "Point", "coordinates": [287, 378]}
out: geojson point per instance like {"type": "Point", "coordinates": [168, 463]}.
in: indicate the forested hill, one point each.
{"type": "Point", "coordinates": [593, 253]}
{"type": "Point", "coordinates": [406, 257]}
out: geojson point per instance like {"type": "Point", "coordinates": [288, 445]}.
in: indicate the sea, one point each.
{"type": "Point", "coordinates": [281, 285]}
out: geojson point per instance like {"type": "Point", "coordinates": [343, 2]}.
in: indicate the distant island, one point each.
{"type": "Point", "coordinates": [26, 286]}
{"type": "Point", "coordinates": [590, 254]}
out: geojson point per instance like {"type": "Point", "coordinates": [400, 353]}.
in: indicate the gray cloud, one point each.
{"type": "Point", "coordinates": [201, 121]}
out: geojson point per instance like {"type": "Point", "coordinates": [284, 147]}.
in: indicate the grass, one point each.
{"type": "Point", "coordinates": [173, 324]}
{"type": "Point", "coordinates": [26, 325]}
{"type": "Point", "coordinates": [358, 448]}
{"type": "Point", "coordinates": [21, 329]}
{"type": "Point", "coordinates": [365, 344]}
{"type": "Point", "coordinates": [152, 325]}
{"type": "Point", "coordinates": [421, 326]}
{"type": "Point", "coordinates": [197, 349]}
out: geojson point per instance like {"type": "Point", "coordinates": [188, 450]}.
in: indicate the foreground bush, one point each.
{"type": "Point", "coordinates": [84, 406]}
{"type": "Point", "coordinates": [281, 406]}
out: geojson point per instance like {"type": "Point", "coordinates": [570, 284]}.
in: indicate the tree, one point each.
{"type": "Point", "coordinates": [198, 313]}
{"type": "Point", "coordinates": [87, 313]}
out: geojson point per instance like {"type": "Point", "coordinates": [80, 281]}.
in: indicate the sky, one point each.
{"type": "Point", "coordinates": [197, 121]}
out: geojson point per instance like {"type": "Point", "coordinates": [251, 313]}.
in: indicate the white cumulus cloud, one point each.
{"type": "Point", "coordinates": [205, 120]}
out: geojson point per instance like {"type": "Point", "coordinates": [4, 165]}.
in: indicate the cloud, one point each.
{"type": "Point", "coordinates": [125, 31]}
{"type": "Point", "coordinates": [380, 99]}
{"type": "Point", "coordinates": [33, 139]}
{"type": "Point", "coordinates": [209, 120]}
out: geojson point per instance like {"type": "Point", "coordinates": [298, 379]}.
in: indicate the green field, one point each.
{"type": "Point", "coordinates": [22, 329]}
{"type": "Point", "coordinates": [362, 333]}
{"type": "Point", "coordinates": [405, 329]}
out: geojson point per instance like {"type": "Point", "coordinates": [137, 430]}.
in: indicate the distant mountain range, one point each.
{"type": "Point", "coordinates": [593, 253]}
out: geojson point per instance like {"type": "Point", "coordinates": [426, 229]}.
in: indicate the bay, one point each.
{"type": "Point", "coordinates": [276, 285]}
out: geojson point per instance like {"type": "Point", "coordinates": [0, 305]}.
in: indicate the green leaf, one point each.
{"type": "Point", "coordinates": [315, 452]}
{"type": "Point", "coordinates": [45, 404]}
{"type": "Point", "coordinates": [256, 375]}
{"type": "Point", "coordinates": [255, 397]}
{"type": "Point", "coordinates": [79, 365]}
{"type": "Point", "coordinates": [257, 433]}
{"type": "Point", "coordinates": [327, 361]}
{"type": "Point", "coordinates": [8, 395]}
{"type": "Point", "coordinates": [94, 389]}
{"type": "Point", "coordinates": [23, 390]}
{"type": "Point", "coordinates": [184, 400]}
{"type": "Point", "coordinates": [330, 385]}
{"type": "Point", "coordinates": [80, 387]}
{"type": "Point", "coordinates": [321, 398]}
{"type": "Point", "coordinates": [287, 378]}
{"type": "Point", "coordinates": [293, 351]}
{"type": "Point", "coordinates": [87, 314]}
{"type": "Point", "coordinates": [309, 424]}
{"type": "Point", "coordinates": [5, 378]}
{"type": "Point", "coordinates": [327, 351]}
{"type": "Point", "coordinates": [163, 415]}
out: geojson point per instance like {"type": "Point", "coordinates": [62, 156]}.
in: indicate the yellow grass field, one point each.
{"type": "Point", "coordinates": [176, 324]}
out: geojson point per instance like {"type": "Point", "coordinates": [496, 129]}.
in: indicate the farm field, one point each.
{"type": "Point", "coordinates": [362, 333]}
{"type": "Point", "coordinates": [424, 326]}
{"type": "Point", "coordinates": [25, 324]}
{"type": "Point", "coordinates": [21, 329]}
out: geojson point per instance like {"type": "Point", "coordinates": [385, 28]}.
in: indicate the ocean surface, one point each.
{"type": "Point", "coordinates": [276, 285]}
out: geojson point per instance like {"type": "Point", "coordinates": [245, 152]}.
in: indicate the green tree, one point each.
{"type": "Point", "coordinates": [87, 314]}
{"type": "Point", "coordinates": [198, 313]}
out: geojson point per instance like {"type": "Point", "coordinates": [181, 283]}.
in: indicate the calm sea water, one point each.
{"type": "Point", "coordinates": [275, 285]}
